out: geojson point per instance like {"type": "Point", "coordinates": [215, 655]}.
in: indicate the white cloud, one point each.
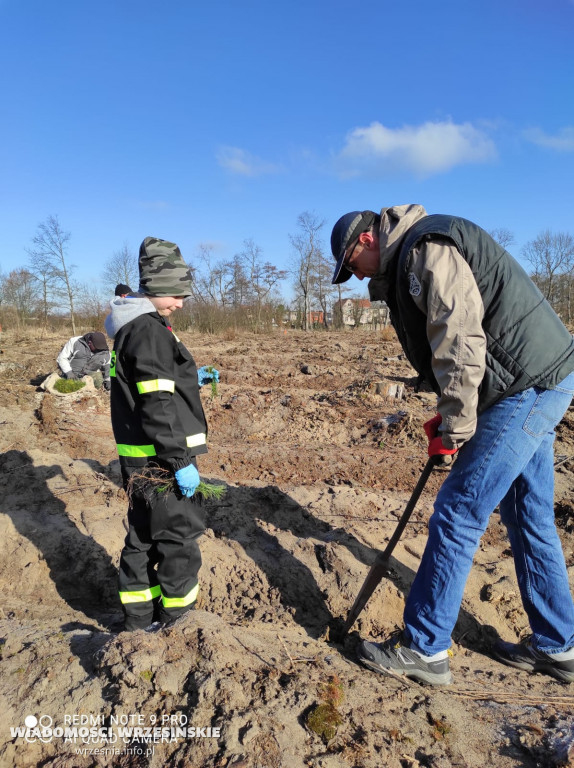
{"type": "Point", "coordinates": [563, 141]}
{"type": "Point", "coordinates": [423, 150]}
{"type": "Point", "coordinates": [242, 163]}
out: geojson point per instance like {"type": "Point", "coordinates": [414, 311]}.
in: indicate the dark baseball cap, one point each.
{"type": "Point", "coordinates": [122, 288]}
{"type": "Point", "coordinates": [97, 340]}
{"type": "Point", "coordinates": [347, 230]}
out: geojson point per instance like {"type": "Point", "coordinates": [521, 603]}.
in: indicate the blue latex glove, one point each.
{"type": "Point", "coordinates": [188, 479]}
{"type": "Point", "coordinates": [203, 375]}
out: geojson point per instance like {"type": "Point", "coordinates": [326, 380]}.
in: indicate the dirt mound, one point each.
{"type": "Point", "coordinates": [319, 440]}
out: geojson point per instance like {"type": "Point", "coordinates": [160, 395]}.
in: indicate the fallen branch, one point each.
{"type": "Point", "coordinates": [514, 698]}
{"type": "Point", "coordinates": [78, 488]}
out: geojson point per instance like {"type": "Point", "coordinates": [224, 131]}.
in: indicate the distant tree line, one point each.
{"type": "Point", "coordinates": [241, 292]}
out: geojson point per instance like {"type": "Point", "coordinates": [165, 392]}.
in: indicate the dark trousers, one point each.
{"type": "Point", "coordinates": [161, 557]}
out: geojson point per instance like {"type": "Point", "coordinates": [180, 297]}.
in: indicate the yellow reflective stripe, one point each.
{"type": "Point", "coordinates": [194, 440]}
{"type": "Point", "coordinates": [181, 602]}
{"type": "Point", "coordinates": [155, 385]}
{"type": "Point", "coordinates": [140, 596]}
{"type": "Point", "coordinates": [135, 451]}
{"type": "Point", "coordinates": [113, 363]}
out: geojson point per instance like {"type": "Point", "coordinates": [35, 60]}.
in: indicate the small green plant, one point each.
{"type": "Point", "coordinates": [441, 728]}
{"type": "Point", "coordinates": [147, 674]}
{"type": "Point", "coordinates": [154, 480]}
{"type": "Point", "coordinates": [66, 386]}
{"type": "Point", "coordinates": [210, 369]}
{"type": "Point", "coordinates": [325, 718]}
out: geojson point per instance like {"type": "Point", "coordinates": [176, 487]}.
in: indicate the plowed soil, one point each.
{"type": "Point", "coordinates": [318, 438]}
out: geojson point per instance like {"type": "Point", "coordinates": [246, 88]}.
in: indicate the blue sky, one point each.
{"type": "Point", "coordinates": [217, 122]}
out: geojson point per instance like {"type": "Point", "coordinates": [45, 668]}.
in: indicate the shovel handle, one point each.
{"type": "Point", "coordinates": [379, 567]}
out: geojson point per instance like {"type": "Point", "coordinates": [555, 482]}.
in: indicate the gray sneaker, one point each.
{"type": "Point", "coordinates": [393, 657]}
{"type": "Point", "coordinates": [523, 656]}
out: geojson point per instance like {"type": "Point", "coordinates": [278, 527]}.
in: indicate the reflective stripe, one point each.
{"type": "Point", "coordinates": [194, 440]}
{"type": "Point", "coordinates": [181, 602]}
{"type": "Point", "coordinates": [141, 596]}
{"type": "Point", "coordinates": [155, 385]}
{"type": "Point", "coordinates": [113, 363]}
{"type": "Point", "coordinates": [135, 451]}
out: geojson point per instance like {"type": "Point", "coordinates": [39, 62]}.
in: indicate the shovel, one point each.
{"type": "Point", "coordinates": [379, 567]}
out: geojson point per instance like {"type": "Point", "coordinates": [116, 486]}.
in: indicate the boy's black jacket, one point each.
{"type": "Point", "coordinates": [156, 408]}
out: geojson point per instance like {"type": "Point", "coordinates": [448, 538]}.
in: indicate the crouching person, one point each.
{"type": "Point", "coordinates": [86, 355]}
{"type": "Point", "coordinates": [157, 417]}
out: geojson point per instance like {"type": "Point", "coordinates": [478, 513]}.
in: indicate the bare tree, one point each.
{"type": "Point", "coordinates": [552, 258]}
{"type": "Point", "coordinates": [43, 270]}
{"type": "Point", "coordinates": [338, 319]}
{"type": "Point", "coordinates": [51, 244]}
{"type": "Point", "coordinates": [357, 313]}
{"type": "Point", "coordinates": [307, 249]}
{"type": "Point", "coordinates": [322, 288]}
{"type": "Point", "coordinates": [240, 290]}
{"type": "Point", "coordinates": [21, 290]}
{"type": "Point", "coordinates": [210, 282]}
{"type": "Point", "coordinates": [503, 236]}
{"type": "Point", "coordinates": [91, 306]}
{"type": "Point", "coordinates": [121, 267]}
{"type": "Point", "coordinates": [262, 277]}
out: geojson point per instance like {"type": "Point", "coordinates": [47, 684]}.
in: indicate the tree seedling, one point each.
{"type": "Point", "coordinates": [210, 369]}
{"type": "Point", "coordinates": [156, 480]}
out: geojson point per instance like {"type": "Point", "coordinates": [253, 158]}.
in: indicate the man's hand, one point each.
{"type": "Point", "coordinates": [431, 426]}
{"type": "Point", "coordinates": [436, 447]}
{"type": "Point", "coordinates": [107, 385]}
{"type": "Point", "coordinates": [207, 373]}
{"type": "Point", "coordinates": [188, 479]}
{"type": "Point", "coordinates": [72, 375]}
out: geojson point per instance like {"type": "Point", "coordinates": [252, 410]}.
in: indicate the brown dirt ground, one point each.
{"type": "Point", "coordinates": [319, 466]}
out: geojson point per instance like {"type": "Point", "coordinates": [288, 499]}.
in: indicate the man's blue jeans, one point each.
{"type": "Point", "coordinates": [509, 461]}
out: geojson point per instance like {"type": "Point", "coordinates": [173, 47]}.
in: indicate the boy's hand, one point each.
{"type": "Point", "coordinates": [207, 373]}
{"type": "Point", "coordinates": [72, 375]}
{"type": "Point", "coordinates": [188, 479]}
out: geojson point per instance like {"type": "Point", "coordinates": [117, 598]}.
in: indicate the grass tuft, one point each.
{"type": "Point", "coordinates": [66, 386]}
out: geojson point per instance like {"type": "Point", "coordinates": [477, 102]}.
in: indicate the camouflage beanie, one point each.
{"type": "Point", "coordinates": [163, 272]}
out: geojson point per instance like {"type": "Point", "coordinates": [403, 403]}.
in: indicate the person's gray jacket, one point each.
{"type": "Point", "coordinates": [76, 356]}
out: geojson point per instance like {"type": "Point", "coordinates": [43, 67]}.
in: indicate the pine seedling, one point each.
{"type": "Point", "coordinates": [210, 369]}
{"type": "Point", "coordinates": [156, 480]}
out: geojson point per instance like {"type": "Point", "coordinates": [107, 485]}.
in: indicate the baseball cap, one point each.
{"type": "Point", "coordinates": [97, 340]}
{"type": "Point", "coordinates": [346, 230]}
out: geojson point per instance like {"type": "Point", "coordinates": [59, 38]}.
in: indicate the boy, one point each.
{"type": "Point", "coordinates": [157, 417]}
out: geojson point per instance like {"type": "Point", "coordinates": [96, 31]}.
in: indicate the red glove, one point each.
{"type": "Point", "coordinates": [431, 426]}
{"type": "Point", "coordinates": [436, 448]}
